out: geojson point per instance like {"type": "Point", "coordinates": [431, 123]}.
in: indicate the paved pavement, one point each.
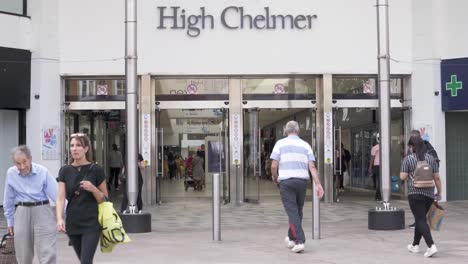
{"type": "Point", "coordinates": [181, 233]}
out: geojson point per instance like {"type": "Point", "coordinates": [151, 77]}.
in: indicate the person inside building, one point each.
{"type": "Point", "coordinates": [292, 160]}
{"type": "Point", "coordinates": [202, 153]}
{"type": "Point", "coordinates": [83, 184]}
{"type": "Point", "coordinates": [374, 167]}
{"type": "Point", "coordinates": [420, 199]}
{"type": "Point", "coordinates": [115, 164]}
{"type": "Point", "coordinates": [198, 172]}
{"type": "Point", "coordinates": [172, 166]}
{"type": "Point", "coordinates": [32, 223]}
{"type": "Point", "coordinates": [340, 168]}
{"type": "Point", "coordinates": [347, 159]}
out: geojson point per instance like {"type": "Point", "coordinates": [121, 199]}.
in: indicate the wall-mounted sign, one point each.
{"type": "Point", "coordinates": [236, 135]}
{"type": "Point", "coordinates": [50, 146]}
{"type": "Point", "coordinates": [328, 148]}
{"type": "Point", "coordinates": [192, 89]}
{"type": "Point", "coordinates": [101, 89]}
{"type": "Point", "coordinates": [231, 17]}
{"type": "Point", "coordinates": [279, 89]}
{"type": "Point", "coordinates": [454, 86]}
{"type": "Point", "coordinates": [191, 86]}
{"type": "Point", "coordinates": [425, 130]}
{"type": "Point", "coordinates": [146, 139]}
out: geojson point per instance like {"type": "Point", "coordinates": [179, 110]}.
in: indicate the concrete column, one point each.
{"type": "Point", "coordinates": [146, 131]}
{"type": "Point", "coordinates": [319, 126]}
{"type": "Point", "coordinates": [236, 142]}
{"type": "Point", "coordinates": [99, 138]}
{"type": "Point", "coordinates": [46, 111]}
{"type": "Point", "coordinates": [430, 34]}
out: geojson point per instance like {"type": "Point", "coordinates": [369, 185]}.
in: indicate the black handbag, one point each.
{"type": "Point", "coordinates": [7, 250]}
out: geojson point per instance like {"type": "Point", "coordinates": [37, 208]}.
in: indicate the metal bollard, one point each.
{"type": "Point", "coordinates": [216, 208]}
{"type": "Point", "coordinates": [315, 214]}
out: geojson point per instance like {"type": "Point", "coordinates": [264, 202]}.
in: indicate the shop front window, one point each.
{"type": "Point", "coordinates": [279, 88]}
{"type": "Point", "coordinates": [16, 7]}
{"type": "Point", "coordinates": [95, 90]}
{"type": "Point", "coordinates": [191, 89]}
{"type": "Point", "coordinates": [364, 87]}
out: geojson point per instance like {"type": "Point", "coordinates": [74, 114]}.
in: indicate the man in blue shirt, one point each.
{"type": "Point", "coordinates": [30, 186]}
{"type": "Point", "coordinates": [293, 159]}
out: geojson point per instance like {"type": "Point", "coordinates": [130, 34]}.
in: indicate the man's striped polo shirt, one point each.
{"type": "Point", "coordinates": [293, 155]}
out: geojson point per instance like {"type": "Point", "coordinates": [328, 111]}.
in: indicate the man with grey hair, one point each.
{"type": "Point", "coordinates": [292, 160]}
{"type": "Point", "coordinates": [31, 186]}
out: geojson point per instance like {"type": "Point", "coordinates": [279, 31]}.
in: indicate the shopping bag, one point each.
{"type": "Point", "coordinates": [435, 215]}
{"type": "Point", "coordinates": [7, 250]}
{"type": "Point", "coordinates": [113, 232]}
{"type": "Point", "coordinates": [369, 182]}
{"type": "Point", "coordinates": [395, 185]}
{"type": "Point", "coordinates": [345, 178]}
{"type": "Point", "coordinates": [123, 176]}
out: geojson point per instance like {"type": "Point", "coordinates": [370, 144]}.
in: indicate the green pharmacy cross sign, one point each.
{"type": "Point", "coordinates": [453, 73]}
{"type": "Point", "coordinates": [453, 85]}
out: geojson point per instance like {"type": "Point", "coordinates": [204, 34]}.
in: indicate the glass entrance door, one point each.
{"type": "Point", "coordinates": [252, 156]}
{"type": "Point", "coordinates": [191, 147]}
{"type": "Point", "coordinates": [356, 130]}
{"type": "Point", "coordinates": [263, 127]}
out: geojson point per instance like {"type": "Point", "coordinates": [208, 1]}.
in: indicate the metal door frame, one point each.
{"type": "Point", "coordinates": [254, 133]}
{"type": "Point", "coordinates": [278, 104]}
{"type": "Point", "coordinates": [176, 105]}
{"type": "Point", "coordinates": [362, 104]}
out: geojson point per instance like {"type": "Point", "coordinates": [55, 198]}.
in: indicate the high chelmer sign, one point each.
{"type": "Point", "coordinates": [231, 17]}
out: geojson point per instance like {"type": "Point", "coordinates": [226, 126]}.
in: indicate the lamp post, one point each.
{"type": "Point", "coordinates": [133, 222]}
{"type": "Point", "coordinates": [385, 217]}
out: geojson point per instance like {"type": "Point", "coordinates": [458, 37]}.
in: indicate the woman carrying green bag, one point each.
{"type": "Point", "coordinates": [83, 184]}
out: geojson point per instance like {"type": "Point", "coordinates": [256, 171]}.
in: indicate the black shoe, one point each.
{"type": "Point", "coordinates": [413, 225]}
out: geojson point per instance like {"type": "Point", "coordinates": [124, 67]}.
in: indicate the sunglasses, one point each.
{"type": "Point", "coordinates": [78, 135]}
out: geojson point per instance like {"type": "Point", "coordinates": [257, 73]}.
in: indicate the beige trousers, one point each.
{"type": "Point", "coordinates": [35, 234]}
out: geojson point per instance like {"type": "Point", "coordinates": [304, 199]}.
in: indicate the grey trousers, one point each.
{"type": "Point", "coordinates": [35, 232]}
{"type": "Point", "coordinates": [293, 193]}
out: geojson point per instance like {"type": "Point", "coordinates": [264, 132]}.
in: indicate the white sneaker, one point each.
{"type": "Point", "coordinates": [298, 248]}
{"type": "Point", "coordinates": [413, 249]}
{"type": "Point", "coordinates": [289, 243]}
{"type": "Point", "coordinates": [430, 251]}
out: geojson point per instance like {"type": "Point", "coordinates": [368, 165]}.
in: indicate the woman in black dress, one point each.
{"type": "Point", "coordinates": [83, 184]}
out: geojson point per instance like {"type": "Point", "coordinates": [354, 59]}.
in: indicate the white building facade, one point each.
{"type": "Point", "coordinates": [296, 52]}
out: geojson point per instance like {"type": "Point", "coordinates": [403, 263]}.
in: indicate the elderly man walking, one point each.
{"type": "Point", "coordinates": [293, 159]}
{"type": "Point", "coordinates": [33, 223]}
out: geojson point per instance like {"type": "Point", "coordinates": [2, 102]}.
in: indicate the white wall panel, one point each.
{"type": "Point", "coordinates": [15, 32]}
{"type": "Point", "coordinates": [45, 79]}
{"type": "Point", "coordinates": [456, 38]}
{"type": "Point", "coordinates": [8, 140]}
{"type": "Point", "coordinates": [342, 39]}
